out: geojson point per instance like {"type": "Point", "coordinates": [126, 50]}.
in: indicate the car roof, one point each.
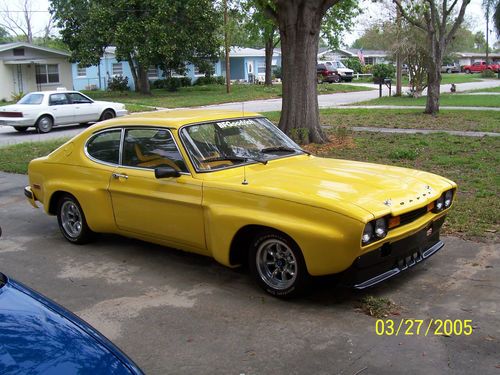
{"type": "Point", "coordinates": [53, 92]}
{"type": "Point", "coordinates": [177, 118]}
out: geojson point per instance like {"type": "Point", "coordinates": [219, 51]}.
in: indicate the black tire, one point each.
{"type": "Point", "coordinates": [107, 114]}
{"type": "Point", "coordinates": [72, 222]}
{"type": "Point", "coordinates": [44, 124]}
{"type": "Point", "coordinates": [467, 71]}
{"type": "Point", "coordinates": [287, 260]}
{"type": "Point", "coordinates": [336, 79]}
{"type": "Point", "coordinates": [21, 129]}
{"type": "Point", "coordinates": [448, 71]}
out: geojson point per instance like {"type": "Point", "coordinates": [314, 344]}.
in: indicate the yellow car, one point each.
{"type": "Point", "coordinates": [232, 186]}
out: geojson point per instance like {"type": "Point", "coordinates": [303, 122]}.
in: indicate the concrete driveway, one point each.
{"type": "Point", "coordinates": [177, 313]}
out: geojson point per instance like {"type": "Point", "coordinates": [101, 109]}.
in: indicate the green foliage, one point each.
{"type": "Point", "coordinates": [4, 35]}
{"type": "Point", "coordinates": [367, 69]}
{"type": "Point", "coordinates": [16, 96]}
{"type": "Point", "coordinates": [338, 19]}
{"type": "Point", "coordinates": [219, 80]}
{"type": "Point", "coordinates": [404, 154]}
{"type": "Point", "coordinates": [161, 33]}
{"type": "Point", "coordinates": [277, 72]}
{"type": "Point", "coordinates": [172, 83]}
{"type": "Point", "coordinates": [354, 64]}
{"type": "Point", "coordinates": [379, 36]}
{"type": "Point", "coordinates": [488, 73]}
{"type": "Point", "coordinates": [381, 71]}
{"type": "Point", "coordinates": [118, 83]}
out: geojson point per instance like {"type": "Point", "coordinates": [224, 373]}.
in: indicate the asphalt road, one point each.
{"type": "Point", "coordinates": [177, 313]}
{"type": "Point", "coordinates": [10, 136]}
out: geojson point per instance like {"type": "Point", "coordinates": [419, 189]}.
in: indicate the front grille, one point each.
{"type": "Point", "coordinates": [348, 73]}
{"type": "Point", "coordinates": [412, 215]}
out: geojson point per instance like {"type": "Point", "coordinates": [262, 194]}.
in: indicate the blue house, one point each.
{"type": "Point", "coordinates": [246, 64]}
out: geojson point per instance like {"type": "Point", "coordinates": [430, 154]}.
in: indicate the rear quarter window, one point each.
{"type": "Point", "coordinates": [105, 147]}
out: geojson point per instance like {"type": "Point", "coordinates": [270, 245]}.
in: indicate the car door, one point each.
{"type": "Point", "coordinates": [85, 109]}
{"type": "Point", "coordinates": [167, 208]}
{"type": "Point", "coordinates": [61, 108]}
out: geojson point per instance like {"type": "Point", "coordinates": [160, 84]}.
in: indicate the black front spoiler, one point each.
{"type": "Point", "coordinates": [393, 258]}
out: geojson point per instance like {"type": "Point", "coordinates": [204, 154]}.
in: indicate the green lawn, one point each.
{"type": "Point", "coordinates": [205, 95]}
{"type": "Point", "coordinates": [407, 119]}
{"type": "Point", "coordinates": [492, 89]}
{"type": "Point", "coordinates": [446, 79]}
{"type": "Point", "coordinates": [455, 100]}
{"type": "Point", "coordinates": [474, 163]}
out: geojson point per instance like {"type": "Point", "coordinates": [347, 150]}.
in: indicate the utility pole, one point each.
{"type": "Point", "coordinates": [487, 4]}
{"type": "Point", "coordinates": [226, 43]}
{"type": "Point", "coordinates": [399, 70]}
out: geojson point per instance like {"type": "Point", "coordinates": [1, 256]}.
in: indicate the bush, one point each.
{"type": "Point", "coordinates": [118, 83]}
{"type": "Point", "coordinates": [277, 72]}
{"type": "Point", "coordinates": [17, 96]}
{"type": "Point", "coordinates": [367, 69]}
{"type": "Point", "coordinates": [171, 83]}
{"type": "Point", "coordinates": [354, 64]}
{"type": "Point", "coordinates": [381, 71]}
{"type": "Point", "coordinates": [213, 80]}
{"type": "Point", "coordinates": [488, 73]}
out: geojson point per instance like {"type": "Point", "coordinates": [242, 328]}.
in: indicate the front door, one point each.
{"type": "Point", "coordinates": [168, 208]}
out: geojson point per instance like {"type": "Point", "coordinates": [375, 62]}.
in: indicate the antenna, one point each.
{"type": "Point", "coordinates": [244, 182]}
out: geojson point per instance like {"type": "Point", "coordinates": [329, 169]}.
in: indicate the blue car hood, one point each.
{"type": "Point", "coordinates": [38, 336]}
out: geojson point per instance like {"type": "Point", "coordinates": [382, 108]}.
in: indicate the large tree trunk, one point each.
{"type": "Point", "coordinates": [269, 60]}
{"type": "Point", "coordinates": [434, 63]}
{"type": "Point", "coordinates": [299, 24]}
{"type": "Point", "coordinates": [133, 68]}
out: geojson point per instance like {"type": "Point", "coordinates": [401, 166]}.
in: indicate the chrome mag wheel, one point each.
{"type": "Point", "coordinates": [276, 264]}
{"type": "Point", "coordinates": [71, 219]}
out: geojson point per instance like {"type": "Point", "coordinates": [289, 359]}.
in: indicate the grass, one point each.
{"type": "Point", "coordinates": [452, 100]}
{"type": "Point", "coordinates": [446, 79]}
{"type": "Point", "coordinates": [473, 163]}
{"type": "Point", "coordinates": [491, 89]}
{"type": "Point", "coordinates": [138, 108]}
{"type": "Point", "coordinates": [408, 119]}
{"type": "Point", "coordinates": [378, 307]}
{"type": "Point", "coordinates": [15, 158]}
{"type": "Point", "coordinates": [205, 95]}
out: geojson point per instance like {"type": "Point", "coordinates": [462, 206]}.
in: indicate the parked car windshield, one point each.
{"type": "Point", "coordinates": [221, 144]}
{"type": "Point", "coordinates": [335, 64]}
{"type": "Point", "coordinates": [31, 99]}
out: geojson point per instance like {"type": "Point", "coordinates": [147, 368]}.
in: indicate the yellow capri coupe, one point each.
{"type": "Point", "coordinates": [232, 186]}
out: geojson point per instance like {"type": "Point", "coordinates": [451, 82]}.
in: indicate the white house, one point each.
{"type": "Point", "coordinates": [26, 67]}
{"type": "Point", "coordinates": [371, 56]}
{"type": "Point", "coordinates": [468, 58]}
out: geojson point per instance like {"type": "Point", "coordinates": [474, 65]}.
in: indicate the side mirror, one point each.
{"type": "Point", "coordinates": [166, 172]}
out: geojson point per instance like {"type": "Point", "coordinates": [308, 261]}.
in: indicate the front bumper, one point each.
{"type": "Point", "coordinates": [393, 258]}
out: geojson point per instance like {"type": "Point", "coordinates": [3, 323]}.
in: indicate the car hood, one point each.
{"type": "Point", "coordinates": [39, 336]}
{"type": "Point", "coordinates": [356, 189]}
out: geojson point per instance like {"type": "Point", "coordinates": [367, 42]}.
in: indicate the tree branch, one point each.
{"type": "Point", "coordinates": [458, 21]}
{"type": "Point", "coordinates": [407, 17]}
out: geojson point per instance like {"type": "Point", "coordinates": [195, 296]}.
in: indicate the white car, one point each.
{"type": "Point", "coordinates": [46, 109]}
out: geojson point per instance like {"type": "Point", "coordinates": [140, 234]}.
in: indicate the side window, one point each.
{"type": "Point", "coordinates": [77, 98]}
{"type": "Point", "coordinates": [105, 146]}
{"type": "Point", "coordinates": [58, 99]}
{"type": "Point", "coordinates": [151, 148]}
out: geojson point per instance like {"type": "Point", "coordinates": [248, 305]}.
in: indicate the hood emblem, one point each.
{"type": "Point", "coordinates": [388, 202]}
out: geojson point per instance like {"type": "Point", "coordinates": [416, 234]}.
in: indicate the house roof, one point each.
{"type": "Point", "coordinates": [477, 54]}
{"type": "Point", "coordinates": [8, 46]}
{"type": "Point", "coordinates": [249, 52]}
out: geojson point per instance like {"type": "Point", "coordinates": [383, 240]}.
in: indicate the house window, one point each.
{"type": "Point", "coordinates": [261, 69]}
{"type": "Point", "coordinates": [117, 69]}
{"type": "Point", "coordinates": [47, 73]}
{"type": "Point", "coordinates": [81, 72]}
{"type": "Point", "coordinates": [153, 72]}
{"type": "Point", "coordinates": [196, 70]}
{"type": "Point", "coordinates": [18, 51]}
{"type": "Point", "coordinates": [369, 60]}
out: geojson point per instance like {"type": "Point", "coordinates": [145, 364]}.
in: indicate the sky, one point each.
{"type": "Point", "coordinates": [474, 14]}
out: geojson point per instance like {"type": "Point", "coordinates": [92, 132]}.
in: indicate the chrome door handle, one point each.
{"type": "Point", "coordinates": [119, 175]}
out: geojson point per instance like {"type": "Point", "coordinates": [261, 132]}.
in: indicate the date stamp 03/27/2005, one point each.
{"type": "Point", "coordinates": [423, 327]}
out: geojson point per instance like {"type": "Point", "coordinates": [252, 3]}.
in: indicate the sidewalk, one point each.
{"type": "Point", "coordinates": [418, 107]}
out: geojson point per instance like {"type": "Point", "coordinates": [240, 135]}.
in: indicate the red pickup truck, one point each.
{"type": "Point", "coordinates": [480, 66]}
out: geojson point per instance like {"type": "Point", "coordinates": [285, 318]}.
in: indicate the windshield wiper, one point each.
{"type": "Point", "coordinates": [283, 148]}
{"type": "Point", "coordinates": [233, 158]}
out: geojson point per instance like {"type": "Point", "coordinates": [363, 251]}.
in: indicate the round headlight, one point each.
{"type": "Point", "coordinates": [448, 197]}
{"type": "Point", "coordinates": [367, 233]}
{"type": "Point", "coordinates": [440, 203]}
{"type": "Point", "coordinates": [380, 228]}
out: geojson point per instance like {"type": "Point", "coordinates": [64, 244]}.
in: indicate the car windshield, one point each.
{"type": "Point", "coordinates": [222, 144]}
{"type": "Point", "coordinates": [336, 64]}
{"type": "Point", "coordinates": [31, 99]}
